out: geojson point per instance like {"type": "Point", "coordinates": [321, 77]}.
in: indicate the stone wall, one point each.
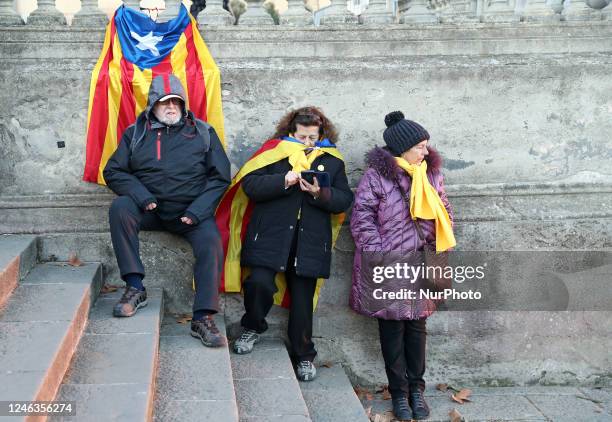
{"type": "Point", "coordinates": [522, 114]}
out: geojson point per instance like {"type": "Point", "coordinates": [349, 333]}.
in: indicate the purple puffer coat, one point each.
{"type": "Point", "coordinates": [381, 222]}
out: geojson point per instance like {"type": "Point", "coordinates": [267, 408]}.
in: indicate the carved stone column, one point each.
{"type": "Point", "coordinates": [296, 14]}
{"type": "Point", "coordinates": [8, 14]}
{"type": "Point", "coordinates": [557, 6]}
{"type": "Point", "coordinates": [499, 11]}
{"type": "Point", "coordinates": [577, 10]}
{"type": "Point", "coordinates": [46, 14]}
{"type": "Point", "coordinates": [133, 4]}
{"type": "Point", "coordinates": [459, 11]}
{"type": "Point", "coordinates": [538, 11]}
{"type": "Point", "coordinates": [256, 14]}
{"type": "Point", "coordinates": [417, 11]}
{"type": "Point", "coordinates": [172, 10]}
{"type": "Point", "coordinates": [377, 13]}
{"type": "Point", "coordinates": [606, 12]}
{"type": "Point", "coordinates": [215, 14]}
{"type": "Point", "coordinates": [90, 15]}
{"type": "Point", "coordinates": [338, 13]}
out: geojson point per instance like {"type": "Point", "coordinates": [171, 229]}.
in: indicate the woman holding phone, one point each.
{"type": "Point", "coordinates": [290, 228]}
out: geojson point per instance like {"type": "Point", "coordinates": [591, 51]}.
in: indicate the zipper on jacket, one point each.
{"type": "Point", "coordinates": [158, 145]}
{"type": "Point", "coordinates": [256, 234]}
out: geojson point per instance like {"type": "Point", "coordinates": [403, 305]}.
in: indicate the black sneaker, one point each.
{"type": "Point", "coordinates": [206, 330]}
{"type": "Point", "coordinates": [129, 303]}
{"type": "Point", "coordinates": [420, 410]}
{"type": "Point", "coordinates": [401, 409]}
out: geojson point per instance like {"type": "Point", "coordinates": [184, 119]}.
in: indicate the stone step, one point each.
{"type": "Point", "coordinates": [112, 376]}
{"type": "Point", "coordinates": [194, 382]}
{"type": "Point", "coordinates": [330, 397]}
{"type": "Point", "coordinates": [266, 387]}
{"type": "Point", "coordinates": [526, 403]}
{"type": "Point", "coordinates": [17, 257]}
{"type": "Point", "coordinates": [40, 328]}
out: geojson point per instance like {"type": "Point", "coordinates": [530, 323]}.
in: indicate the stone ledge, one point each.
{"type": "Point", "coordinates": [344, 42]}
{"type": "Point", "coordinates": [581, 183]}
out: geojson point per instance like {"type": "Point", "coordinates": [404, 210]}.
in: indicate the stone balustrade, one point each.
{"type": "Point", "coordinates": [377, 12]}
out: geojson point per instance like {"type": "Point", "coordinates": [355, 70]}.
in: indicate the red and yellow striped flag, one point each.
{"type": "Point", "coordinates": [119, 87]}
{"type": "Point", "coordinates": [234, 212]}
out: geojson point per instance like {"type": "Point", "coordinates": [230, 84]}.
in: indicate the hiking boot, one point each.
{"type": "Point", "coordinates": [420, 410]}
{"type": "Point", "coordinates": [401, 409]}
{"type": "Point", "coordinates": [129, 303]}
{"type": "Point", "coordinates": [206, 330]}
{"type": "Point", "coordinates": [306, 371]}
{"type": "Point", "coordinates": [246, 341]}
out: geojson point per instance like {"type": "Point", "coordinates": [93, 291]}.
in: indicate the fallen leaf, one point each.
{"type": "Point", "coordinates": [455, 416]}
{"type": "Point", "coordinates": [442, 387]}
{"type": "Point", "coordinates": [363, 393]}
{"type": "Point", "coordinates": [107, 288]}
{"type": "Point", "coordinates": [385, 417]}
{"type": "Point", "coordinates": [327, 364]}
{"type": "Point", "coordinates": [386, 395]}
{"type": "Point", "coordinates": [462, 396]}
{"type": "Point", "coordinates": [183, 319]}
{"type": "Point", "coordinates": [74, 260]}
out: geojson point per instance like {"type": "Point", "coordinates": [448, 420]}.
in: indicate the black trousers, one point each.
{"type": "Point", "coordinates": [126, 221]}
{"type": "Point", "coordinates": [403, 349]}
{"type": "Point", "coordinates": [259, 289]}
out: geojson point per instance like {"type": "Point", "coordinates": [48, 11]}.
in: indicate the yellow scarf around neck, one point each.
{"type": "Point", "coordinates": [302, 162]}
{"type": "Point", "coordinates": [426, 203]}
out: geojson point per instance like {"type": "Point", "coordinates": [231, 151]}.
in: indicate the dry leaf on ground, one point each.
{"type": "Point", "coordinates": [385, 417]}
{"type": "Point", "coordinates": [386, 395]}
{"type": "Point", "coordinates": [74, 260]}
{"type": "Point", "coordinates": [455, 416]}
{"type": "Point", "coordinates": [327, 364]}
{"type": "Point", "coordinates": [107, 288]}
{"type": "Point", "coordinates": [442, 387]}
{"type": "Point", "coordinates": [462, 396]}
{"type": "Point", "coordinates": [183, 319]}
{"type": "Point", "coordinates": [363, 393]}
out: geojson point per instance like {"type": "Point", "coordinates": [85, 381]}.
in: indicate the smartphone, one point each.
{"type": "Point", "coordinates": [322, 177]}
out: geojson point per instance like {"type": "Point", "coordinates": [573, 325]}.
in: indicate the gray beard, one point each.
{"type": "Point", "coordinates": [167, 121]}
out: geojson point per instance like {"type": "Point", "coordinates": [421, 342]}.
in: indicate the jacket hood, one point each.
{"type": "Point", "coordinates": [381, 160]}
{"type": "Point", "coordinates": [161, 86]}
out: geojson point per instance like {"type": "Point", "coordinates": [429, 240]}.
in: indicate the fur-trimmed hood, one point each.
{"type": "Point", "coordinates": [381, 160]}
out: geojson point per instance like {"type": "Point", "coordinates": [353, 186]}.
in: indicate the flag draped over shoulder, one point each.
{"type": "Point", "coordinates": [234, 212]}
{"type": "Point", "coordinates": [137, 49]}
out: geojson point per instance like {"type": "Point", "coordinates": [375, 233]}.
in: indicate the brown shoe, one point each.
{"type": "Point", "coordinates": [206, 330]}
{"type": "Point", "coordinates": [129, 303]}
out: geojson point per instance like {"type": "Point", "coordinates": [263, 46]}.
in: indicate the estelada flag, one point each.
{"type": "Point", "coordinates": [137, 49]}
{"type": "Point", "coordinates": [234, 213]}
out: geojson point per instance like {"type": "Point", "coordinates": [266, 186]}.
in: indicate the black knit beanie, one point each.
{"type": "Point", "coordinates": [401, 134]}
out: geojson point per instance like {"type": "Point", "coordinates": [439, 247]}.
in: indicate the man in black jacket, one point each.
{"type": "Point", "coordinates": [170, 172]}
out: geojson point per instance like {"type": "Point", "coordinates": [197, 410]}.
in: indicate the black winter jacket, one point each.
{"type": "Point", "coordinates": [182, 170]}
{"type": "Point", "coordinates": [275, 218]}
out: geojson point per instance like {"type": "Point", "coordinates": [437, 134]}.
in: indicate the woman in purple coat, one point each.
{"type": "Point", "coordinates": [383, 221]}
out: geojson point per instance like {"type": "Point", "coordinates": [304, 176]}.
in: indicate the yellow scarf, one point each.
{"type": "Point", "coordinates": [302, 162]}
{"type": "Point", "coordinates": [426, 203]}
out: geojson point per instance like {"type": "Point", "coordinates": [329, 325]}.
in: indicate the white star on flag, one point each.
{"type": "Point", "coordinates": [147, 42]}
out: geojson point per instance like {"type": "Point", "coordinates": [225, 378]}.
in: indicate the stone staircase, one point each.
{"type": "Point", "coordinates": [59, 341]}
